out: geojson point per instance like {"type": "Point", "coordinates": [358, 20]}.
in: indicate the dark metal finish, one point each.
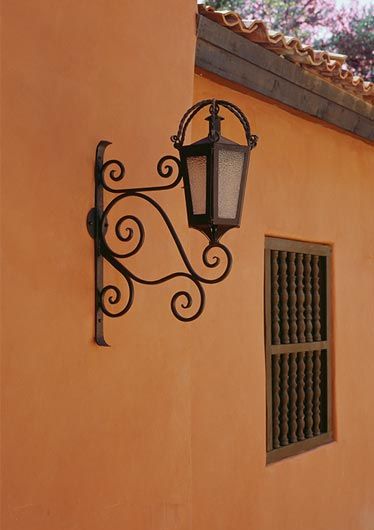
{"type": "Point", "coordinates": [211, 223]}
{"type": "Point", "coordinates": [95, 220]}
{"type": "Point", "coordinates": [109, 296]}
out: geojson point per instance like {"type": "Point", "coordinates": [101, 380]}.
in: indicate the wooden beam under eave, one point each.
{"type": "Point", "coordinates": [222, 52]}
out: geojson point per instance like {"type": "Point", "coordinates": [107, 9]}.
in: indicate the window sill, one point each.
{"type": "Point", "coordinates": [298, 447]}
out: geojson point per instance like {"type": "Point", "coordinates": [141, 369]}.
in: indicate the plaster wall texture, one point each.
{"type": "Point", "coordinates": [166, 429]}
{"type": "Point", "coordinates": [93, 438]}
{"type": "Point", "coordinates": [309, 182]}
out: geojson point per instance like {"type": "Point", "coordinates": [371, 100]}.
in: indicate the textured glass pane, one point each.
{"type": "Point", "coordinates": [230, 167]}
{"type": "Point", "coordinates": [197, 177]}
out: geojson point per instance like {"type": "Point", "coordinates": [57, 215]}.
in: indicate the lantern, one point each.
{"type": "Point", "coordinates": [215, 173]}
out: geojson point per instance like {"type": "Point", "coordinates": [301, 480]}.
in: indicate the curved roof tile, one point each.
{"type": "Point", "coordinates": [325, 64]}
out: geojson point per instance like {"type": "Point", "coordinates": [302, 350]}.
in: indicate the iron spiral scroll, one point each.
{"type": "Point", "coordinates": [109, 298]}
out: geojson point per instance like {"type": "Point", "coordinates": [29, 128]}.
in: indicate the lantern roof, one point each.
{"type": "Point", "coordinates": [221, 140]}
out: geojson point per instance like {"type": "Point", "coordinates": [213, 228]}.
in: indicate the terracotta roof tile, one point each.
{"type": "Point", "coordinates": [331, 66]}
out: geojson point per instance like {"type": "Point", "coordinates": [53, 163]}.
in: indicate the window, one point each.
{"type": "Point", "coordinates": [297, 341]}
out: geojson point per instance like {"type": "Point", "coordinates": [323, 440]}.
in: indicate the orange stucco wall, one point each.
{"type": "Point", "coordinates": [166, 429]}
{"type": "Point", "coordinates": [93, 438]}
{"type": "Point", "coordinates": [314, 183]}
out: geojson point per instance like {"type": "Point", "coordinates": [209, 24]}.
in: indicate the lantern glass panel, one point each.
{"type": "Point", "coordinates": [197, 167]}
{"type": "Point", "coordinates": [230, 171]}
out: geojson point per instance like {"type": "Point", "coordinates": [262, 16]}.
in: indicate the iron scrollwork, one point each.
{"type": "Point", "coordinates": [109, 297]}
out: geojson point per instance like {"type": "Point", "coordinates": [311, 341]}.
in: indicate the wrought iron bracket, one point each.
{"type": "Point", "coordinates": [109, 299]}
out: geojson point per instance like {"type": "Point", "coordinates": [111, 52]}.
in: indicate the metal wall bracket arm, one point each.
{"type": "Point", "coordinates": [109, 299]}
